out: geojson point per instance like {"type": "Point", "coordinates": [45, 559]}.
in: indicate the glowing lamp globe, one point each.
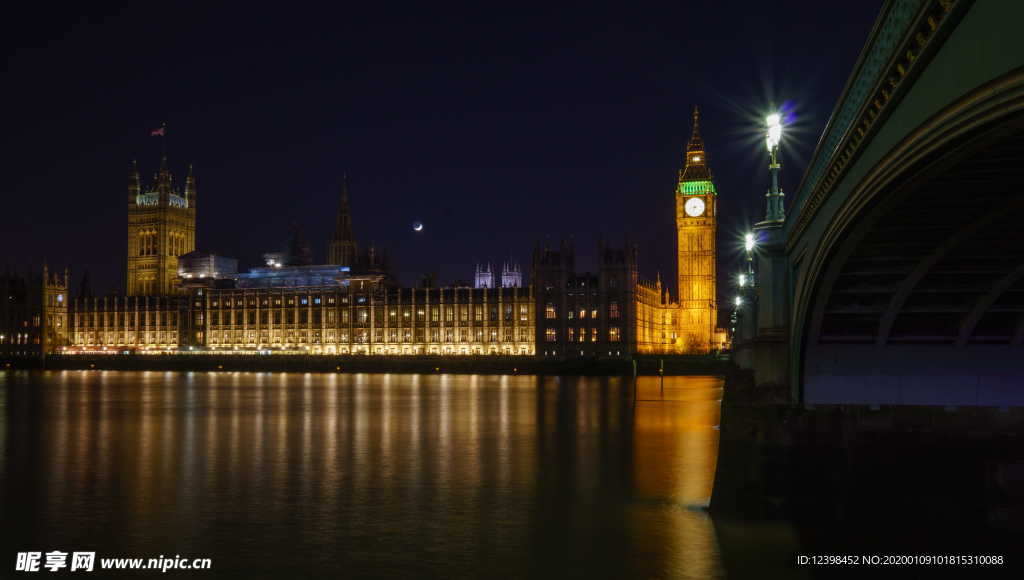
{"type": "Point", "coordinates": [774, 122]}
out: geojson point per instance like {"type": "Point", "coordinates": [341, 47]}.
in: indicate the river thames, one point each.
{"type": "Point", "coordinates": [289, 475]}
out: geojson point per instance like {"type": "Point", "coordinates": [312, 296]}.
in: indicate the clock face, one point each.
{"type": "Point", "coordinates": [694, 206]}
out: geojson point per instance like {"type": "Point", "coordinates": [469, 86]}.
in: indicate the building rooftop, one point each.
{"type": "Point", "coordinates": [278, 276]}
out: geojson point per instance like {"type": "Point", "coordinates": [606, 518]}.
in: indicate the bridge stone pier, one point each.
{"type": "Point", "coordinates": [898, 275]}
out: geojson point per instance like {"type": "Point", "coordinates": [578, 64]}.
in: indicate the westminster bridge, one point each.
{"type": "Point", "coordinates": [897, 277]}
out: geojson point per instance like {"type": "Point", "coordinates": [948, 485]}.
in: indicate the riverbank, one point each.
{"type": "Point", "coordinates": [645, 365]}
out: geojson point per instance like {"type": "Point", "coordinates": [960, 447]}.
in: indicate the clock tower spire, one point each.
{"type": "Point", "coordinates": [696, 226]}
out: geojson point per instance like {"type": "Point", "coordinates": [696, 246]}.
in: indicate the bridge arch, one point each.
{"type": "Point", "coordinates": [914, 291]}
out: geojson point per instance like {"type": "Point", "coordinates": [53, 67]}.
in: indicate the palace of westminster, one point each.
{"type": "Point", "coordinates": [178, 299]}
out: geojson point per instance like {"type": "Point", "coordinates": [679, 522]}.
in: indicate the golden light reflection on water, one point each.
{"type": "Point", "coordinates": [676, 438]}
{"type": "Point", "coordinates": [447, 473]}
{"type": "Point", "coordinates": [676, 443]}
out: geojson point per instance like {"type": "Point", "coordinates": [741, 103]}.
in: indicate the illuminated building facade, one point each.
{"type": "Point", "coordinates": [585, 314]}
{"type": "Point", "coordinates": [351, 305]}
{"type": "Point", "coordinates": [126, 323]}
{"type": "Point", "coordinates": [656, 320]}
{"type": "Point", "coordinates": [511, 275]}
{"type": "Point", "coordinates": [202, 265]}
{"type": "Point", "coordinates": [616, 311]}
{"type": "Point", "coordinates": [486, 276]}
{"type": "Point", "coordinates": [363, 315]}
{"type": "Point", "coordinates": [350, 315]}
{"type": "Point", "coordinates": [161, 227]}
{"type": "Point", "coordinates": [33, 313]}
{"type": "Point", "coordinates": [696, 226]}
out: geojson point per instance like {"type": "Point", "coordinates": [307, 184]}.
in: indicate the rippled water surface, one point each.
{"type": "Point", "coordinates": [292, 475]}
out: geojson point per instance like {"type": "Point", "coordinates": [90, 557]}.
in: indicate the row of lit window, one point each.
{"type": "Point", "coordinates": [16, 338]}
{"type": "Point", "coordinates": [25, 323]}
{"type": "Point", "coordinates": [289, 316]}
{"type": "Point", "coordinates": [289, 301]}
{"type": "Point", "coordinates": [125, 303]}
{"type": "Point", "coordinates": [364, 337]}
{"type": "Point", "coordinates": [551, 313]}
{"type": "Point", "coordinates": [478, 309]}
{"type": "Point", "coordinates": [612, 283]}
{"type": "Point", "coordinates": [146, 285]}
{"type": "Point", "coordinates": [86, 338]}
{"type": "Point", "coordinates": [127, 319]}
{"type": "Point", "coordinates": [574, 335]}
{"type": "Point", "coordinates": [392, 335]}
{"type": "Point", "coordinates": [149, 243]}
{"type": "Point", "coordinates": [555, 353]}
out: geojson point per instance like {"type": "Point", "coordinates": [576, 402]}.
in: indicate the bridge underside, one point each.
{"type": "Point", "coordinates": [924, 302]}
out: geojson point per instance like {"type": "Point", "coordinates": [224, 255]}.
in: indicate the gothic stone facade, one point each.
{"type": "Point", "coordinates": [360, 316]}
{"type": "Point", "coordinates": [161, 227]}
{"type": "Point", "coordinates": [33, 313]}
{"type": "Point", "coordinates": [359, 310]}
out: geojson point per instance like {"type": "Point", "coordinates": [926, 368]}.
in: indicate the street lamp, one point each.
{"type": "Point", "coordinates": [739, 301]}
{"type": "Point", "coordinates": [776, 212]}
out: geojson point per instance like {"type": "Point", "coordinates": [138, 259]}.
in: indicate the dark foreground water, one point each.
{"type": "Point", "coordinates": [296, 475]}
{"type": "Point", "coordinates": [336, 475]}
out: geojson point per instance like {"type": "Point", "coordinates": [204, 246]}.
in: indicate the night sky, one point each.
{"type": "Point", "coordinates": [496, 125]}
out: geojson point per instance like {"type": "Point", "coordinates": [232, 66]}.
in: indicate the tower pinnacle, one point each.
{"type": "Point", "coordinates": [696, 143]}
{"type": "Point", "coordinates": [695, 166]}
{"type": "Point", "coordinates": [190, 187]}
{"type": "Point", "coordinates": [341, 250]}
{"type": "Point", "coordinates": [134, 183]}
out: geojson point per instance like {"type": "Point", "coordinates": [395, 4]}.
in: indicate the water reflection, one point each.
{"type": "Point", "coordinates": [378, 475]}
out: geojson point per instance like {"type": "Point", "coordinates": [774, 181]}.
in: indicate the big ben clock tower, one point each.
{"type": "Point", "coordinates": [696, 225]}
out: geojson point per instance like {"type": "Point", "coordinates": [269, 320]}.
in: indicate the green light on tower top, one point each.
{"type": "Point", "coordinates": [697, 187]}
{"type": "Point", "coordinates": [695, 176]}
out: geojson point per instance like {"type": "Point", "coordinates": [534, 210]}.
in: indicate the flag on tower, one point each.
{"type": "Point", "coordinates": [158, 132]}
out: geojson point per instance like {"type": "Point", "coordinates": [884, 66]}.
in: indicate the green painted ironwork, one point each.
{"type": "Point", "coordinates": [888, 38]}
{"type": "Point", "coordinates": [696, 187]}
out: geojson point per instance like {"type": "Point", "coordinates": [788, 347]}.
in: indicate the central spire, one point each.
{"type": "Point", "coordinates": [341, 250]}
{"type": "Point", "coordinates": [343, 222]}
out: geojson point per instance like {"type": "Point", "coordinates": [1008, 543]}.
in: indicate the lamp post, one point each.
{"type": "Point", "coordinates": [776, 212]}
{"type": "Point", "coordinates": [764, 319]}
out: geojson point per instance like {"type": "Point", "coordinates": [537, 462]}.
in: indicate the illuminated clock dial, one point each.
{"type": "Point", "coordinates": [694, 207]}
